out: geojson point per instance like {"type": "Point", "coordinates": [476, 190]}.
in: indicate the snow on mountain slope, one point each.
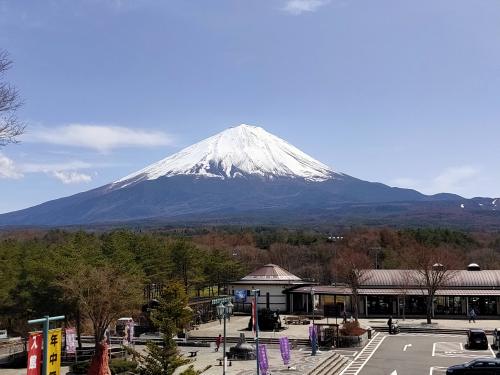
{"type": "Point", "coordinates": [236, 152]}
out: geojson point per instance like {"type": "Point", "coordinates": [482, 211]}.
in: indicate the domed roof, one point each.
{"type": "Point", "coordinates": [271, 272]}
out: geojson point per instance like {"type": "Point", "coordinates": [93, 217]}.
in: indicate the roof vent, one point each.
{"type": "Point", "coordinates": [473, 267]}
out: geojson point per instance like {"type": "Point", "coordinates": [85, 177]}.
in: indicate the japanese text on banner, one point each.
{"type": "Point", "coordinates": [54, 352]}
{"type": "Point", "coordinates": [34, 354]}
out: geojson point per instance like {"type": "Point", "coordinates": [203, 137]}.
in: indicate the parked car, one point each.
{"type": "Point", "coordinates": [476, 339]}
{"type": "Point", "coordinates": [482, 366]}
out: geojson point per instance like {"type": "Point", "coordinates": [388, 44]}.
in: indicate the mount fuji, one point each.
{"type": "Point", "coordinates": [245, 175]}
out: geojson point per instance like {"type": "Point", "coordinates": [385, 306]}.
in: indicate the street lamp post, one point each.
{"type": "Point", "coordinates": [224, 311]}
{"type": "Point", "coordinates": [313, 335]}
{"type": "Point", "coordinates": [256, 293]}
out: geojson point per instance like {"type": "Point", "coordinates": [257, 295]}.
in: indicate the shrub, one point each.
{"type": "Point", "coordinates": [80, 368]}
{"type": "Point", "coordinates": [117, 366]}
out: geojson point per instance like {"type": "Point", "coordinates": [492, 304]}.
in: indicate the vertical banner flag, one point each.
{"type": "Point", "coordinates": [263, 363]}
{"type": "Point", "coordinates": [70, 341]}
{"type": "Point", "coordinates": [285, 350]}
{"type": "Point", "coordinates": [130, 325]}
{"type": "Point", "coordinates": [313, 333]}
{"type": "Point", "coordinates": [54, 352]}
{"type": "Point", "coordinates": [254, 314]}
{"type": "Point", "coordinates": [34, 365]}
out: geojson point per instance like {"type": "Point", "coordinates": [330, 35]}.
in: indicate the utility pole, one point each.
{"type": "Point", "coordinates": [46, 325]}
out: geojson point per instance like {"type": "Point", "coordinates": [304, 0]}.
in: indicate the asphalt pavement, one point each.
{"type": "Point", "coordinates": [418, 354]}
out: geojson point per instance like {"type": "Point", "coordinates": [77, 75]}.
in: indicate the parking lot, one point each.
{"type": "Point", "coordinates": [413, 354]}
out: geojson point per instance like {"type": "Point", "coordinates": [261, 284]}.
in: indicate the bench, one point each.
{"type": "Point", "coordinates": [296, 320]}
{"type": "Point", "coordinates": [193, 353]}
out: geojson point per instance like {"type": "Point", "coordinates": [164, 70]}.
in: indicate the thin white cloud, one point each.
{"type": "Point", "coordinates": [454, 178]}
{"type": "Point", "coordinates": [51, 167]}
{"type": "Point", "coordinates": [72, 177]}
{"type": "Point", "coordinates": [8, 169]}
{"type": "Point", "coordinates": [297, 7]}
{"type": "Point", "coordinates": [66, 172]}
{"type": "Point", "coordinates": [463, 180]}
{"type": "Point", "coordinates": [102, 138]}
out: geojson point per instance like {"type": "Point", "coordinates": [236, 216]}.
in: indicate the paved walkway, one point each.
{"type": "Point", "coordinates": [238, 324]}
{"type": "Point", "coordinates": [488, 324]}
{"type": "Point", "coordinates": [301, 359]}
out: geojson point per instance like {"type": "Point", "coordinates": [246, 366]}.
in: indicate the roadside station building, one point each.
{"type": "Point", "coordinates": [272, 281]}
{"type": "Point", "coordinates": [389, 292]}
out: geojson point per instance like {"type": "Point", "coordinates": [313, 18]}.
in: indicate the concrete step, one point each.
{"type": "Point", "coordinates": [330, 366]}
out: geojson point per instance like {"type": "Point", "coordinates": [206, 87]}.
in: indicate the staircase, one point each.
{"type": "Point", "coordinates": [330, 366]}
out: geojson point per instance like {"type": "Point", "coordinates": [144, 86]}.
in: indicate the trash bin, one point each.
{"type": "Point", "coordinates": [369, 330]}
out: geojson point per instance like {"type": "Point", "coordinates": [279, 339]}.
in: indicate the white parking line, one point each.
{"type": "Point", "coordinates": [438, 368]}
{"type": "Point", "coordinates": [452, 349]}
{"type": "Point", "coordinates": [364, 356]}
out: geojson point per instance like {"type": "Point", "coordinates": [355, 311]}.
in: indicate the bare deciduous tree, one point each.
{"type": "Point", "coordinates": [434, 269]}
{"type": "Point", "coordinates": [10, 126]}
{"type": "Point", "coordinates": [102, 294]}
{"type": "Point", "coordinates": [353, 269]}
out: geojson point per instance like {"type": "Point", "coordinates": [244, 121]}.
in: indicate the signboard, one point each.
{"type": "Point", "coordinates": [70, 341]}
{"type": "Point", "coordinates": [223, 300]}
{"type": "Point", "coordinates": [54, 352]}
{"type": "Point", "coordinates": [240, 295]}
{"type": "Point", "coordinates": [34, 365]}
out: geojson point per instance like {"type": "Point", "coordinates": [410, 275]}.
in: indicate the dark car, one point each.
{"type": "Point", "coordinates": [476, 339]}
{"type": "Point", "coordinates": [482, 366]}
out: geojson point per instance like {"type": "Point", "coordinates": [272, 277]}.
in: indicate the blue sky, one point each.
{"type": "Point", "coordinates": [405, 93]}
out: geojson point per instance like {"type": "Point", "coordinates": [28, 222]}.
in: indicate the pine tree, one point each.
{"type": "Point", "coordinates": [172, 315]}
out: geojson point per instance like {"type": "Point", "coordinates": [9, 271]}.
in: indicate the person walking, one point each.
{"type": "Point", "coordinates": [344, 317]}
{"type": "Point", "coordinates": [389, 323]}
{"type": "Point", "coordinates": [218, 341]}
{"type": "Point", "coordinates": [472, 315]}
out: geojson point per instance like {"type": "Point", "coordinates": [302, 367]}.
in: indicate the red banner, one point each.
{"type": "Point", "coordinates": [34, 365]}
{"type": "Point", "coordinates": [254, 314]}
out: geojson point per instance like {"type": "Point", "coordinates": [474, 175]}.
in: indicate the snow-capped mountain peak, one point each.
{"type": "Point", "coordinates": [239, 151]}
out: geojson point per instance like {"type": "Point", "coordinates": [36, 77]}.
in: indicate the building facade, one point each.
{"type": "Point", "coordinates": [402, 292]}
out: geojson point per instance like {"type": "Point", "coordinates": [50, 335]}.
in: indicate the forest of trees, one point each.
{"type": "Point", "coordinates": [51, 272]}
